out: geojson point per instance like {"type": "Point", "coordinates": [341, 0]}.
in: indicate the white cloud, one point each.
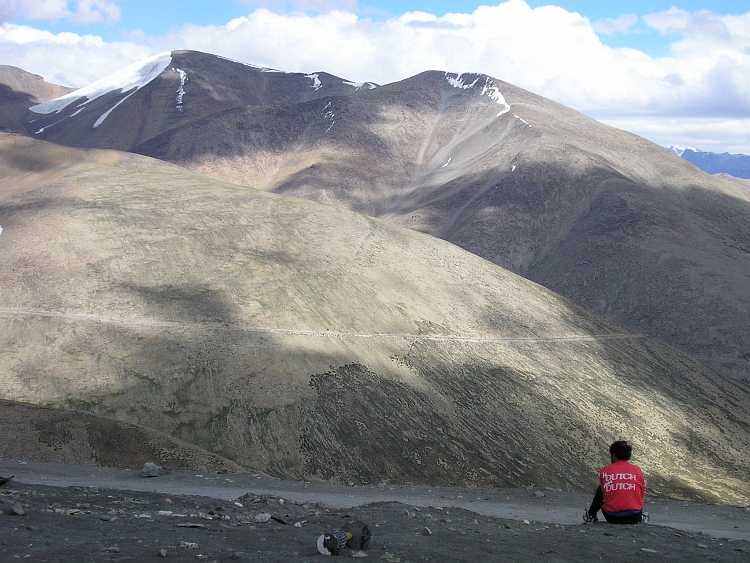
{"type": "Point", "coordinates": [548, 50]}
{"type": "Point", "coordinates": [83, 12]}
{"type": "Point", "coordinates": [66, 58]}
{"type": "Point", "coordinates": [706, 134]}
{"type": "Point", "coordinates": [623, 24]}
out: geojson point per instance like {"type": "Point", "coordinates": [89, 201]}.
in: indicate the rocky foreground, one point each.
{"type": "Point", "coordinates": [93, 523]}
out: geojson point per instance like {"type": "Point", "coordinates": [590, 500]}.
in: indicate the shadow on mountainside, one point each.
{"type": "Point", "coordinates": [471, 414]}
{"type": "Point", "coordinates": [13, 106]}
{"type": "Point", "coordinates": [542, 207]}
{"type": "Point", "coordinates": [188, 303]}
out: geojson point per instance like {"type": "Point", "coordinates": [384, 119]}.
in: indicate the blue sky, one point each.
{"type": "Point", "coordinates": [674, 71]}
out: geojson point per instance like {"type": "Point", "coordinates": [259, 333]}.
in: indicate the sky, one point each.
{"type": "Point", "coordinates": [676, 72]}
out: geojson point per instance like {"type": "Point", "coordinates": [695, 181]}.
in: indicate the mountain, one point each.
{"type": "Point", "coordinates": [166, 92]}
{"type": "Point", "coordinates": [308, 341]}
{"type": "Point", "coordinates": [18, 91]}
{"type": "Point", "coordinates": [737, 165]}
{"type": "Point", "coordinates": [594, 213]}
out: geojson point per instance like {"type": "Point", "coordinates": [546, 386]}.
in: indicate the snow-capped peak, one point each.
{"type": "Point", "coordinates": [680, 151]}
{"type": "Point", "coordinates": [132, 77]}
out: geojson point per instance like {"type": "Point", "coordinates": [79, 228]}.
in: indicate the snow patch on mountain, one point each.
{"type": "Point", "coordinates": [181, 89]}
{"type": "Point", "coordinates": [458, 82]}
{"type": "Point", "coordinates": [133, 77]}
{"type": "Point", "coordinates": [1, 230]}
{"type": "Point", "coordinates": [316, 85]}
{"type": "Point", "coordinates": [105, 115]}
{"type": "Point", "coordinates": [358, 85]}
{"type": "Point", "coordinates": [329, 115]}
{"type": "Point", "coordinates": [489, 89]}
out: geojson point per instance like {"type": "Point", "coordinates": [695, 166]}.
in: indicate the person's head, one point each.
{"type": "Point", "coordinates": [620, 450]}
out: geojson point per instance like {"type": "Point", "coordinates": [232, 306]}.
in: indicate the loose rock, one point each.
{"type": "Point", "coordinates": [150, 470]}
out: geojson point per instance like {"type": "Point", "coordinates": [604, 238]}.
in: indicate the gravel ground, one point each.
{"type": "Point", "coordinates": [63, 513]}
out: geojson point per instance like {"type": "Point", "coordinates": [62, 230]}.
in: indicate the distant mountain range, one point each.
{"type": "Point", "coordinates": [737, 165]}
{"type": "Point", "coordinates": [333, 334]}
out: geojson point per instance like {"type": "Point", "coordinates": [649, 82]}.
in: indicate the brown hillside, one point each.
{"type": "Point", "coordinates": [308, 341]}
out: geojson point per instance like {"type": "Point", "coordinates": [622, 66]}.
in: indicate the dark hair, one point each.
{"type": "Point", "coordinates": [621, 450]}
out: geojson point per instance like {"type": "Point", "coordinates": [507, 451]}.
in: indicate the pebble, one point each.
{"type": "Point", "coordinates": [538, 494]}
{"type": "Point", "coordinates": [426, 532]}
{"type": "Point", "coordinates": [113, 549]}
{"type": "Point", "coordinates": [647, 550]}
{"type": "Point", "coordinates": [359, 554]}
{"type": "Point", "coordinates": [189, 545]}
{"type": "Point", "coordinates": [162, 553]}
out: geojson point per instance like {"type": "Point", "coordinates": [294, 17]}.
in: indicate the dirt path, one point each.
{"type": "Point", "coordinates": [318, 334]}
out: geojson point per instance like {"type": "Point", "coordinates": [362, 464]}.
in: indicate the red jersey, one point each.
{"type": "Point", "coordinates": [623, 487]}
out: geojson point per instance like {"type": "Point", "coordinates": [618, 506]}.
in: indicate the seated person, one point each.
{"type": "Point", "coordinates": [621, 489]}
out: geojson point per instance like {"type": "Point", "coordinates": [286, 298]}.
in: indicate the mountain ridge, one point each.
{"type": "Point", "coordinates": [737, 165]}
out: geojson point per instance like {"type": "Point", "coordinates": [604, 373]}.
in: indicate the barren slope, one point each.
{"type": "Point", "coordinates": [599, 215]}
{"type": "Point", "coordinates": [311, 342]}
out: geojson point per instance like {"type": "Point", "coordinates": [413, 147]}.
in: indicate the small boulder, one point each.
{"type": "Point", "coordinates": [150, 470]}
